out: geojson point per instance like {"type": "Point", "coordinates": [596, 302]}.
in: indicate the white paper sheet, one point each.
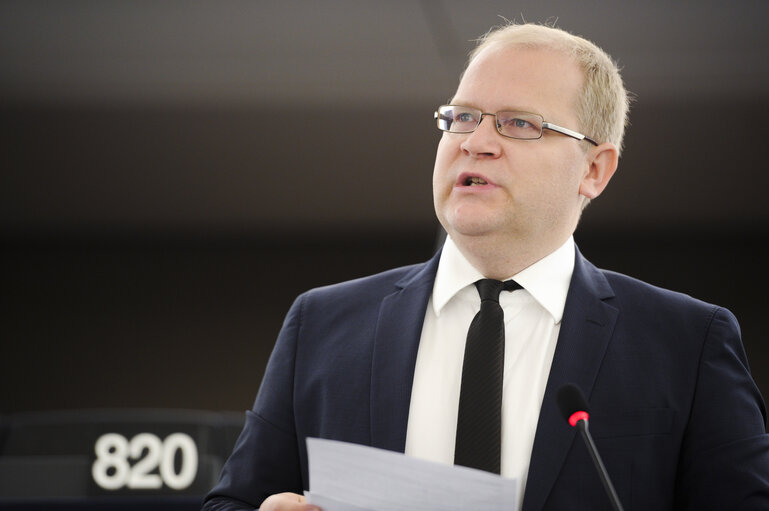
{"type": "Point", "coordinates": [328, 504]}
{"type": "Point", "coordinates": [380, 480]}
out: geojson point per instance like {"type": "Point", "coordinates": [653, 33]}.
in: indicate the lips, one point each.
{"type": "Point", "coordinates": [468, 179]}
{"type": "Point", "coordinates": [475, 181]}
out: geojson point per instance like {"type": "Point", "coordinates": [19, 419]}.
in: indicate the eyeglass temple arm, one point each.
{"type": "Point", "coordinates": [568, 132]}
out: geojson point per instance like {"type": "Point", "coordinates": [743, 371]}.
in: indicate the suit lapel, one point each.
{"type": "Point", "coordinates": [396, 341]}
{"type": "Point", "coordinates": [587, 326]}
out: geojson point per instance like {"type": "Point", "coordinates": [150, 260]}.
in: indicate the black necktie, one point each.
{"type": "Point", "coordinates": [479, 423]}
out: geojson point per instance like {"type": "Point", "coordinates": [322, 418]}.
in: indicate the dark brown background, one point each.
{"type": "Point", "coordinates": [174, 174]}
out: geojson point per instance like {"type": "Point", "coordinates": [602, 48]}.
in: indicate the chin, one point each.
{"type": "Point", "coordinates": [470, 218]}
{"type": "Point", "coordinates": [470, 228]}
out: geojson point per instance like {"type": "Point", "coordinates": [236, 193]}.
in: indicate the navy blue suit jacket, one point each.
{"type": "Point", "coordinates": [675, 413]}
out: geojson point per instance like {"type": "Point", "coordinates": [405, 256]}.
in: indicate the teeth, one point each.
{"type": "Point", "coordinates": [475, 181]}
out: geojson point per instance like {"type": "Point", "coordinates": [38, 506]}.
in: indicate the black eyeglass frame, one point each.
{"type": "Point", "coordinates": [545, 125]}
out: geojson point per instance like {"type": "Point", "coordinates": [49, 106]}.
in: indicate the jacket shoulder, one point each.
{"type": "Point", "coordinates": [626, 286]}
{"type": "Point", "coordinates": [384, 281]}
{"type": "Point", "coordinates": [658, 305]}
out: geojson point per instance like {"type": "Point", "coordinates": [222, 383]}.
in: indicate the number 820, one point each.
{"type": "Point", "coordinates": [114, 450]}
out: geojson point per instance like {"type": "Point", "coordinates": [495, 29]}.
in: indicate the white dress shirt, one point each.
{"type": "Point", "coordinates": [532, 322]}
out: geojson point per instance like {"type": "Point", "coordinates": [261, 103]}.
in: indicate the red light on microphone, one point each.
{"type": "Point", "coordinates": [574, 408]}
{"type": "Point", "coordinates": [578, 416]}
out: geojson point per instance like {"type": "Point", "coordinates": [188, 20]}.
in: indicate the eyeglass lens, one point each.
{"type": "Point", "coordinates": [458, 119]}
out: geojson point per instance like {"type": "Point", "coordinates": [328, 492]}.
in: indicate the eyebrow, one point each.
{"type": "Point", "coordinates": [504, 109]}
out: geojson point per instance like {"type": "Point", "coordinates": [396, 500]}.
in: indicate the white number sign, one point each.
{"type": "Point", "coordinates": [111, 470]}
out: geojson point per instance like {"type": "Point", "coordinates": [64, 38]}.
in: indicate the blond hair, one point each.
{"type": "Point", "coordinates": [603, 105]}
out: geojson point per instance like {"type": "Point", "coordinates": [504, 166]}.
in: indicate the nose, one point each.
{"type": "Point", "coordinates": [484, 142]}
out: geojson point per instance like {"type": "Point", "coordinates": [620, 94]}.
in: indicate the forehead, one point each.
{"type": "Point", "coordinates": [536, 80]}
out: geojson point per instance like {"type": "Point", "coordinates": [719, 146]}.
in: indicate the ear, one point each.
{"type": "Point", "coordinates": [602, 162]}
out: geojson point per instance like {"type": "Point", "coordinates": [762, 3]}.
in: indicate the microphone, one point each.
{"type": "Point", "coordinates": [574, 409]}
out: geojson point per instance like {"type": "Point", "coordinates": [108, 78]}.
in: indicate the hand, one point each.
{"type": "Point", "coordinates": [287, 502]}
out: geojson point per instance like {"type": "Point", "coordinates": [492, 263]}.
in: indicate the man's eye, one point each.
{"type": "Point", "coordinates": [465, 117]}
{"type": "Point", "coordinates": [521, 123]}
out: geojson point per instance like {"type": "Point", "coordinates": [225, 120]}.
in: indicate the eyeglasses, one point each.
{"type": "Point", "coordinates": [519, 125]}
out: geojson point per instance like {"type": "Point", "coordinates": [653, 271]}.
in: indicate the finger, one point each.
{"type": "Point", "coordinates": [287, 502]}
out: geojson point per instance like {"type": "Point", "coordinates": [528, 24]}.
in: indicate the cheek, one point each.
{"type": "Point", "coordinates": [547, 182]}
{"type": "Point", "coordinates": [566, 170]}
{"type": "Point", "coordinates": [444, 156]}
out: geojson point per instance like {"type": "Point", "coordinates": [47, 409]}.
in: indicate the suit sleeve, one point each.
{"type": "Point", "coordinates": [265, 459]}
{"type": "Point", "coordinates": [724, 461]}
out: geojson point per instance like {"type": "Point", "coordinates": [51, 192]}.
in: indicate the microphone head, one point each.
{"type": "Point", "coordinates": [572, 404]}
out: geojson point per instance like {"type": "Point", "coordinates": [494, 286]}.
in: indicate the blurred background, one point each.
{"type": "Point", "coordinates": [174, 173]}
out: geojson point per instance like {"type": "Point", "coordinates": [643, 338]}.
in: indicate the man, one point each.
{"type": "Point", "coordinates": [532, 134]}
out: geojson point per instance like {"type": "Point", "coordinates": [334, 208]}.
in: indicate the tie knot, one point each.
{"type": "Point", "coordinates": [489, 289]}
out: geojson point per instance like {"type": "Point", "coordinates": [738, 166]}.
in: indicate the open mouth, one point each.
{"type": "Point", "coordinates": [475, 181]}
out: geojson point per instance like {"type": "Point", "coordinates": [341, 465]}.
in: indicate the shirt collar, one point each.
{"type": "Point", "coordinates": [547, 280]}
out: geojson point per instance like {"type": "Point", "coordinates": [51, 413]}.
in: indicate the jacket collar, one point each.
{"type": "Point", "coordinates": [587, 327]}
{"type": "Point", "coordinates": [399, 328]}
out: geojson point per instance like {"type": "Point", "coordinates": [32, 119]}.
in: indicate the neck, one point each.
{"type": "Point", "coordinates": [500, 260]}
